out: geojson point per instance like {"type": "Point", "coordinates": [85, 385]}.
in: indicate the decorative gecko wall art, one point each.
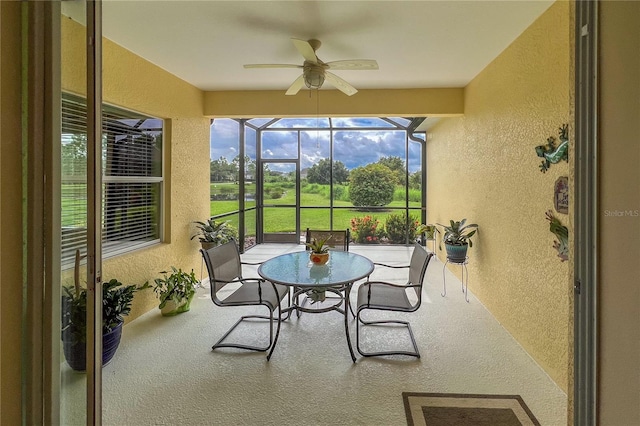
{"type": "Point", "coordinates": [551, 153]}
{"type": "Point", "coordinates": [561, 232]}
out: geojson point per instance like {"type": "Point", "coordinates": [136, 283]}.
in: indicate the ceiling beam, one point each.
{"type": "Point", "coordinates": [445, 102]}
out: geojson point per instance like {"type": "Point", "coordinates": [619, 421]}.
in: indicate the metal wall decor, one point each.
{"type": "Point", "coordinates": [561, 195]}
{"type": "Point", "coordinates": [562, 234]}
{"type": "Point", "coordinates": [552, 153]}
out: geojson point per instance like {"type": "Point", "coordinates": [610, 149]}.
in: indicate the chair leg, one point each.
{"type": "Point", "coordinates": [272, 339]}
{"type": "Point", "coordinates": [275, 340]}
{"type": "Point", "coordinates": [360, 321]}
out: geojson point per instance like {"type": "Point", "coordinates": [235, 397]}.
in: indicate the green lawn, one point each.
{"type": "Point", "coordinates": [283, 219]}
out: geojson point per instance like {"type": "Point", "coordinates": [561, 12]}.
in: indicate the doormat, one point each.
{"type": "Point", "coordinates": [448, 409]}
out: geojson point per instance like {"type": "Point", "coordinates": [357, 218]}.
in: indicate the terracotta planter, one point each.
{"type": "Point", "coordinates": [319, 258]}
{"type": "Point", "coordinates": [207, 245]}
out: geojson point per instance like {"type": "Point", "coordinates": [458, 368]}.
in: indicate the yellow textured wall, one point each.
{"type": "Point", "coordinates": [619, 214]}
{"type": "Point", "coordinates": [10, 214]}
{"type": "Point", "coordinates": [483, 167]}
{"type": "Point", "coordinates": [134, 83]}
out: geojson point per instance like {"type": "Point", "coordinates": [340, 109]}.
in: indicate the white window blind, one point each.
{"type": "Point", "coordinates": [131, 184]}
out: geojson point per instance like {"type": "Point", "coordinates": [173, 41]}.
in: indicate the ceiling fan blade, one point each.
{"type": "Point", "coordinates": [340, 84]}
{"type": "Point", "coordinates": [353, 64]}
{"type": "Point", "coordinates": [305, 50]}
{"type": "Point", "coordinates": [296, 86]}
{"type": "Point", "coordinates": [272, 66]}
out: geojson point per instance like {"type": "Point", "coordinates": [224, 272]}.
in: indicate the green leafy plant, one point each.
{"type": "Point", "coordinates": [318, 245]}
{"type": "Point", "coordinates": [366, 229]}
{"type": "Point", "coordinates": [177, 286]}
{"type": "Point", "coordinates": [215, 232]}
{"type": "Point", "coordinates": [397, 228]}
{"type": "Point", "coordinates": [457, 233]}
{"type": "Point", "coordinates": [429, 231]}
{"type": "Point", "coordinates": [116, 304]}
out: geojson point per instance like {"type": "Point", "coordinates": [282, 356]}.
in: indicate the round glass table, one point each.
{"type": "Point", "coordinates": [336, 276]}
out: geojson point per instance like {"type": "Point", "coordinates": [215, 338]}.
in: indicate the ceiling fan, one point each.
{"type": "Point", "coordinates": [315, 71]}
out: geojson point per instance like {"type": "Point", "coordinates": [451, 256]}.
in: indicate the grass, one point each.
{"type": "Point", "coordinates": [282, 219]}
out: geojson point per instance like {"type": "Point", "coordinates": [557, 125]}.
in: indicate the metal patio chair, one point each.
{"type": "Point", "coordinates": [224, 267]}
{"type": "Point", "coordinates": [339, 238]}
{"type": "Point", "coordinates": [386, 296]}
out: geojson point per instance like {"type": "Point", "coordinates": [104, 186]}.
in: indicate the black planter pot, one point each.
{"type": "Point", "coordinates": [456, 254]}
{"type": "Point", "coordinates": [76, 354]}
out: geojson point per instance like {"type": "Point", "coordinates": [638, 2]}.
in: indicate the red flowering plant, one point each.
{"type": "Point", "coordinates": [366, 230]}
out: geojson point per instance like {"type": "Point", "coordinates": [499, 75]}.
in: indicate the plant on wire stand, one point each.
{"type": "Point", "coordinates": [457, 238]}
{"type": "Point", "coordinates": [213, 233]}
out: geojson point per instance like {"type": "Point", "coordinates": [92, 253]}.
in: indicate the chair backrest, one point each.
{"type": "Point", "coordinates": [223, 266]}
{"type": "Point", "coordinates": [339, 238]}
{"type": "Point", "coordinates": [418, 267]}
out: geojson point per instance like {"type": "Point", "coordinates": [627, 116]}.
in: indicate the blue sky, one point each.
{"type": "Point", "coordinates": [352, 147]}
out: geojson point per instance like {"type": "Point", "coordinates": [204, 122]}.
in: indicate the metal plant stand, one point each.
{"type": "Point", "coordinates": [465, 277]}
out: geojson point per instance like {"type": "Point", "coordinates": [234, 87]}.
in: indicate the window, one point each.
{"type": "Point", "coordinates": [132, 179]}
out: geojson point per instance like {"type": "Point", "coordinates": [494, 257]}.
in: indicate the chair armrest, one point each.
{"type": "Point", "coordinates": [251, 263]}
{"type": "Point", "coordinates": [389, 284]}
{"type": "Point", "coordinates": [390, 266]}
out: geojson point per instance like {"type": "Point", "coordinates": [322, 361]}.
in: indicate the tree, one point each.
{"type": "Point", "coordinates": [320, 172]}
{"type": "Point", "coordinates": [249, 167]}
{"type": "Point", "coordinates": [396, 165]}
{"type": "Point", "coordinates": [74, 156]}
{"type": "Point", "coordinates": [222, 170]}
{"type": "Point", "coordinates": [371, 185]}
{"type": "Point", "coordinates": [415, 180]}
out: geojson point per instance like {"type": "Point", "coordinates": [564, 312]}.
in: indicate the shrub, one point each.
{"type": "Point", "coordinates": [340, 193]}
{"type": "Point", "coordinates": [366, 230]}
{"type": "Point", "coordinates": [276, 193]}
{"type": "Point", "coordinates": [371, 185]}
{"type": "Point", "coordinates": [396, 228]}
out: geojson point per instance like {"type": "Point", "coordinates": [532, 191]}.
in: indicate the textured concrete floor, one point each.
{"type": "Point", "coordinates": [166, 374]}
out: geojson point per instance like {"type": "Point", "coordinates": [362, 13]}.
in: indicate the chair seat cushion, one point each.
{"type": "Point", "coordinates": [383, 297]}
{"type": "Point", "coordinates": [247, 294]}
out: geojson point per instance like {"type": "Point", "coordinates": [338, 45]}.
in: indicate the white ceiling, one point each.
{"type": "Point", "coordinates": [418, 44]}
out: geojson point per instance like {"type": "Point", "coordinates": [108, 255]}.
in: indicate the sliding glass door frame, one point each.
{"type": "Point", "coordinates": [42, 94]}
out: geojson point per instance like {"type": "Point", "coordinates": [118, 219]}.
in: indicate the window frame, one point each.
{"type": "Point", "coordinates": [111, 247]}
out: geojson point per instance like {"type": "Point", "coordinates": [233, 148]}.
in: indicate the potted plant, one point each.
{"type": "Point", "coordinates": [319, 256]}
{"type": "Point", "coordinates": [213, 233]}
{"type": "Point", "coordinates": [175, 291]}
{"type": "Point", "coordinates": [319, 250]}
{"type": "Point", "coordinates": [116, 303]}
{"type": "Point", "coordinates": [457, 239]}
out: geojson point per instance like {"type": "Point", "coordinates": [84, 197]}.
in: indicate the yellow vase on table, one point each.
{"type": "Point", "coordinates": [319, 258]}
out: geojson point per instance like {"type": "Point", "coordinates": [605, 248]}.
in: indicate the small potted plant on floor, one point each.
{"type": "Point", "coordinates": [213, 233]}
{"type": "Point", "coordinates": [116, 303]}
{"type": "Point", "coordinates": [319, 250]}
{"type": "Point", "coordinates": [175, 291]}
{"type": "Point", "coordinates": [457, 238]}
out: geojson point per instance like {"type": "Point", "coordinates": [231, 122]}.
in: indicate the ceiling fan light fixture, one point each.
{"type": "Point", "coordinates": [313, 78]}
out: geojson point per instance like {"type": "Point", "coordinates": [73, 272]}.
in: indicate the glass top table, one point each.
{"type": "Point", "coordinates": [295, 269]}
{"type": "Point", "coordinates": [336, 276]}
